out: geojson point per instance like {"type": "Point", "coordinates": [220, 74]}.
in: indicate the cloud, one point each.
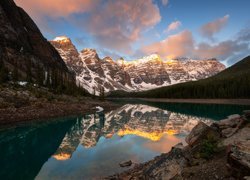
{"type": "Point", "coordinates": [222, 50]}
{"type": "Point", "coordinates": [244, 34]}
{"type": "Point", "coordinates": [56, 8]}
{"type": "Point", "coordinates": [113, 24]}
{"type": "Point", "coordinates": [208, 30]}
{"type": "Point", "coordinates": [173, 26]}
{"type": "Point", "coordinates": [106, 53]}
{"type": "Point", "coordinates": [165, 2]}
{"type": "Point", "coordinates": [183, 44]}
{"type": "Point", "coordinates": [119, 24]}
{"type": "Point", "coordinates": [177, 45]}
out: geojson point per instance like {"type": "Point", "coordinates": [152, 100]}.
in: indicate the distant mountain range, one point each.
{"type": "Point", "coordinates": [146, 73]}
{"type": "Point", "coordinates": [233, 82]}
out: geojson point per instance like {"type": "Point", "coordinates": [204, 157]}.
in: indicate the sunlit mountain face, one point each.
{"type": "Point", "coordinates": [144, 73]}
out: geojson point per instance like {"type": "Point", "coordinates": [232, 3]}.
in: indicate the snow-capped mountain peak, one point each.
{"type": "Point", "coordinates": [142, 74]}
{"type": "Point", "coordinates": [63, 39]}
{"type": "Point", "coordinates": [153, 58]}
{"type": "Point", "coordinates": [150, 58]}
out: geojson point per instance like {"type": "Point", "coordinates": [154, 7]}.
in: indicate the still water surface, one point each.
{"type": "Point", "coordinates": [92, 146]}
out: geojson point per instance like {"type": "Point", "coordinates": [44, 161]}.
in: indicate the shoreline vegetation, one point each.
{"type": "Point", "coordinates": [32, 104]}
{"type": "Point", "coordinates": [219, 151]}
{"type": "Point", "coordinates": [200, 101]}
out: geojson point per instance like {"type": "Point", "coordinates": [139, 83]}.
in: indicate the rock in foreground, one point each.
{"type": "Point", "coordinates": [209, 154]}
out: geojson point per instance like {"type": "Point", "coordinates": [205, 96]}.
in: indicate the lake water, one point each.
{"type": "Point", "coordinates": [92, 146]}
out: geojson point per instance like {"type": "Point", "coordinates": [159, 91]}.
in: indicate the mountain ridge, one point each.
{"type": "Point", "coordinates": [149, 72]}
{"type": "Point", "coordinates": [233, 82]}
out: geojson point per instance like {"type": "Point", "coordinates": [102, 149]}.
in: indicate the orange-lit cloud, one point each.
{"type": "Point", "coordinates": [173, 26]}
{"type": "Point", "coordinates": [209, 29]}
{"type": "Point", "coordinates": [184, 45]}
{"type": "Point", "coordinates": [113, 24]}
{"type": "Point", "coordinates": [56, 8]}
{"type": "Point", "coordinates": [180, 44]}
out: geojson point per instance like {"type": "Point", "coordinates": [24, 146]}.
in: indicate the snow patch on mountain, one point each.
{"type": "Point", "coordinates": [149, 72]}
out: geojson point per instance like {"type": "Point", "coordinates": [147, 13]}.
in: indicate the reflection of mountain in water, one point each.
{"type": "Point", "coordinates": [131, 119]}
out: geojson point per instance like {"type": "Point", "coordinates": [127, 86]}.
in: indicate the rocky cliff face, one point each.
{"type": "Point", "coordinates": [143, 74]}
{"type": "Point", "coordinates": [25, 51]}
{"type": "Point", "coordinates": [92, 72]}
{"type": "Point", "coordinates": [152, 72]}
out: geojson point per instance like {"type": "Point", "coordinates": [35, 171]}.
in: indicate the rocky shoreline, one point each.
{"type": "Point", "coordinates": [219, 151]}
{"type": "Point", "coordinates": [21, 105]}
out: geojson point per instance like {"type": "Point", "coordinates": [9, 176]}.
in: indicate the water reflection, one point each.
{"type": "Point", "coordinates": [133, 132]}
{"type": "Point", "coordinates": [93, 146]}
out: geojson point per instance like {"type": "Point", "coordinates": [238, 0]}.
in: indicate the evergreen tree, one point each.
{"type": "Point", "coordinates": [29, 71]}
{"type": "Point", "coordinates": [39, 76]}
{"type": "Point", "coordinates": [3, 73]}
{"type": "Point", "coordinates": [15, 74]}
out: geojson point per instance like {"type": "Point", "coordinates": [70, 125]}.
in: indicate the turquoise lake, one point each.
{"type": "Point", "coordinates": [92, 146]}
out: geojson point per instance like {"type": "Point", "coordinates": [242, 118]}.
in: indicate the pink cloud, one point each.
{"type": "Point", "coordinates": [173, 26]}
{"type": "Point", "coordinates": [183, 45]}
{"type": "Point", "coordinates": [120, 23]}
{"type": "Point", "coordinates": [209, 29]}
{"type": "Point", "coordinates": [56, 8]}
{"type": "Point", "coordinates": [180, 44]}
{"type": "Point", "coordinates": [113, 24]}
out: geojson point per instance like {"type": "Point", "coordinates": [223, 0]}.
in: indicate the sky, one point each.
{"type": "Point", "coordinates": [197, 29]}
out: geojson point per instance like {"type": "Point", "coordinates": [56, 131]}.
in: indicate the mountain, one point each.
{"type": "Point", "coordinates": [233, 82]}
{"type": "Point", "coordinates": [91, 71]}
{"type": "Point", "coordinates": [143, 74]}
{"type": "Point", "coordinates": [153, 72]}
{"type": "Point", "coordinates": [25, 53]}
{"type": "Point", "coordinates": [131, 119]}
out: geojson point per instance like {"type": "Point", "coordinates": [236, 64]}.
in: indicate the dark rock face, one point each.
{"type": "Point", "coordinates": [23, 47]}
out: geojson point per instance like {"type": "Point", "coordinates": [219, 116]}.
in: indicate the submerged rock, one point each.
{"type": "Point", "coordinates": [126, 163]}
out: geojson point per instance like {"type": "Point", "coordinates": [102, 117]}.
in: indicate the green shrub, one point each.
{"type": "Point", "coordinates": [208, 148]}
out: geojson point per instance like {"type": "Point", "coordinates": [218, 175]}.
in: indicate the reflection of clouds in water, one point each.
{"type": "Point", "coordinates": [164, 144]}
{"type": "Point", "coordinates": [100, 160]}
{"type": "Point", "coordinates": [95, 145]}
